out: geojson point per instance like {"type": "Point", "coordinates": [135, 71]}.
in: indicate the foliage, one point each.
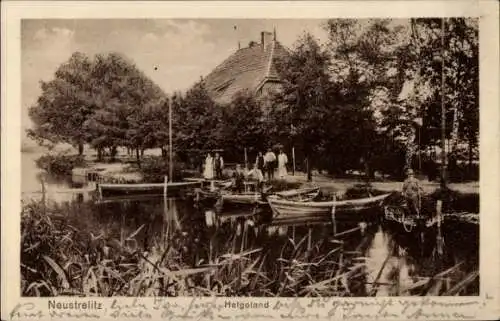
{"type": "Point", "coordinates": [65, 104]}
{"type": "Point", "coordinates": [242, 125]}
{"type": "Point", "coordinates": [461, 74]}
{"type": "Point", "coordinates": [368, 99]}
{"type": "Point", "coordinates": [60, 164]}
{"type": "Point", "coordinates": [154, 169]}
{"type": "Point", "coordinates": [106, 102]}
{"type": "Point", "coordinates": [304, 99]}
{"type": "Point", "coordinates": [196, 118]}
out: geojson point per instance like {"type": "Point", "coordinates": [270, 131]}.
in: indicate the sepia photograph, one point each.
{"type": "Point", "coordinates": [250, 157]}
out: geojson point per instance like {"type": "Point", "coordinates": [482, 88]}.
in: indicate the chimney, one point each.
{"type": "Point", "coordinates": [266, 38]}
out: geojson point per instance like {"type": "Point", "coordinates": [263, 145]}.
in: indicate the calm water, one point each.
{"type": "Point", "coordinates": [394, 260]}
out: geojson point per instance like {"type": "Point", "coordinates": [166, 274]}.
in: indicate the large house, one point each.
{"type": "Point", "coordinates": [252, 68]}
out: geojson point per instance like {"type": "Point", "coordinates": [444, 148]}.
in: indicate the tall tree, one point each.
{"type": "Point", "coordinates": [126, 98]}
{"type": "Point", "coordinates": [304, 97]}
{"type": "Point", "coordinates": [242, 126]}
{"type": "Point", "coordinates": [460, 51]}
{"type": "Point", "coordinates": [365, 78]}
{"type": "Point", "coordinates": [196, 119]}
{"type": "Point", "coordinates": [65, 103]}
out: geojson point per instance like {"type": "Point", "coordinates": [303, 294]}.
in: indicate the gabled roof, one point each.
{"type": "Point", "coordinates": [246, 69]}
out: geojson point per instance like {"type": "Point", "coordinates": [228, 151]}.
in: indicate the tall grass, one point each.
{"type": "Point", "coordinates": [62, 253]}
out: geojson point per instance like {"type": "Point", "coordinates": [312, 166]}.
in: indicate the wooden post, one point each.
{"type": "Point", "coordinates": [334, 221]}
{"type": "Point", "coordinates": [165, 205]}
{"type": "Point", "coordinates": [439, 209]}
{"type": "Point", "coordinates": [439, 238]}
{"type": "Point", "coordinates": [293, 160]}
{"type": "Point", "coordinates": [165, 187]}
{"type": "Point", "coordinates": [246, 158]}
{"type": "Point", "coordinates": [171, 158]}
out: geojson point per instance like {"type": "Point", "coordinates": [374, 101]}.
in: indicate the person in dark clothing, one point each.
{"type": "Point", "coordinates": [412, 191]}
{"type": "Point", "coordinates": [238, 179]}
{"type": "Point", "coordinates": [269, 163]}
{"type": "Point", "coordinates": [259, 161]}
{"type": "Point", "coordinates": [218, 165]}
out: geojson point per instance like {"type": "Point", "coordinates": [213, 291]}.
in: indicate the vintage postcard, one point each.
{"type": "Point", "coordinates": [250, 160]}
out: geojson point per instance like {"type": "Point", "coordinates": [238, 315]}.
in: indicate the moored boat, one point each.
{"type": "Point", "coordinates": [297, 212]}
{"type": "Point", "coordinates": [250, 197]}
{"type": "Point", "coordinates": [299, 194]}
{"type": "Point", "coordinates": [149, 189]}
{"type": "Point", "coordinates": [217, 183]}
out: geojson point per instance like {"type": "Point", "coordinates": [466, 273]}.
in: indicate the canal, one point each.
{"type": "Point", "coordinates": [372, 260]}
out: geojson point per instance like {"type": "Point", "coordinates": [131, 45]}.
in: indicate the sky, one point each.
{"type": "Point", "coordinates": [182, 50]}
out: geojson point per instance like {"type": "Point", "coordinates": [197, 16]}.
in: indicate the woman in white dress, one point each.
{"type": "Point", "coordinates": [208, 172]}
{"type": "Point", "coordinates": [282, 160]}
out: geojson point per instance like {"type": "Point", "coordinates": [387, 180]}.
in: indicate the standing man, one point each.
{"type": "Point", "coordinates": [412, 191]}
{"type": "Point", "coordinates": [259, 161]}
{"type": "Point", "coordinates": [282, 161]}
{"type": "Point", "coordinates": [218, 165]}
{"type": "Point", "coordinates": [269, 160]}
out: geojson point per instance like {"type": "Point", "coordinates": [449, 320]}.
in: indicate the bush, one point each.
{"type": "Point", "coordinates": [155, 168]}
{"type": "Point", "coordinates": [60, 164]}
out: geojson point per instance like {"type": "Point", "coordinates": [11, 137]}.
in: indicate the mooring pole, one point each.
{"type": "Point", "coordinates": [171, 158]}
{"type": "Point", "coordinates": [246, 158]}
{"type": "Point", "coordinates": [334, 221]}
{"type": "Point", "coordinates": [165, 208]}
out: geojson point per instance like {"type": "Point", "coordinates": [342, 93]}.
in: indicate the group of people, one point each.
{"type": "Point", "coordinates": [213, 166]}
{"type": "Point", "coordinates": [265, 164]}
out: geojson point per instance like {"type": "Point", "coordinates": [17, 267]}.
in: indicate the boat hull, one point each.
{"type": "Point", "coordinates": [153, 189]}
{"type": "Point", "coordinates": [398, 217]}
{"type": "Point", "coordinates": [296, 212]}
{"type": "Point", "coordinates": [301, 194]}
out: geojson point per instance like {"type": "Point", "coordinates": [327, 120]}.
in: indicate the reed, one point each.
{"type": "Point", "coordinates": [61, 254]}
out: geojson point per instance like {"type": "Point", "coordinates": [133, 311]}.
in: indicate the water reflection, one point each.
{"type": "Point", "coordinates": [395, 263]}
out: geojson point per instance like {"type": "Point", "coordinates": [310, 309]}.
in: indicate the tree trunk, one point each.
{"type": "Point", "coordinates": [137, 155]}
{"type": "Point", "coordinates": [454, 129]}
{"type": "Point", "coordinates": [113, 152]}
{"type": "Point", "coordinates": [99, 154]}
{"type": "Point", "coordinates": [80, 149]}
{"type": "Point", "coordinates": [470, 174]}
{"type": "Point", "coordinates": [309, 169]}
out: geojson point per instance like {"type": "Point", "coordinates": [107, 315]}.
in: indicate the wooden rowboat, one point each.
{"type": "Point", "coordinates": [249, 198]}
{"type": "Point", "coordinates": [150, 189]}
{"type": "Point", "coordinates": [299, 194]}
{"type": "Point", "coordinates": [208, 182]}
{"type": "Point", "coordinates": [297, 212]}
